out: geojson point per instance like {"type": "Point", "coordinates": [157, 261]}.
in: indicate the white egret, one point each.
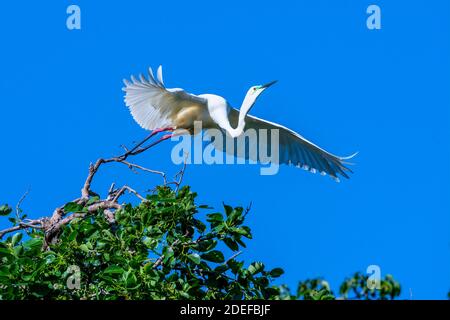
{"type": "Point", "coordinates": [155, 107]}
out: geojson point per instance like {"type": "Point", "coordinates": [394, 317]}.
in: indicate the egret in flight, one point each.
{"type": "Point", "coordinates": [160, 109]}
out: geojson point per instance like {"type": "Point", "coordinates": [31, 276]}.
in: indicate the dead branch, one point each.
{"type": "Point", "coordinates": [130, 190]}
{"type": "Point", "coordinates": [52, 225]}
{"type": "Point", "coordinates": [19, 203]}
{"type": "Point", "coordinates": [180, 174]}
{"type": "Point", "coordinates": [132, 166]}
{"type": "Point", "coordinates": [20, 227]}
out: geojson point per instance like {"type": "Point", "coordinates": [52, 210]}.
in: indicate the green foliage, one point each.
{"type": "Point", "coordinates": [5, 210]}
{"type": "Point", "coordinates": [156, 250]}
{"type": "Point", "coordinates": [159, 249]}
{"type": "Point", "coordinates": [310, 289]}
{"type": "Point", "coordinates": [314, 289]}
{"type": "Point", "coordinates": [356, 288]}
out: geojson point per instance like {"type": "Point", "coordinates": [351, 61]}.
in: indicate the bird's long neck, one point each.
{"type": "Point", "coordinates": [245, 108]}
{"type": "Point", "coordinates": [236, 132]}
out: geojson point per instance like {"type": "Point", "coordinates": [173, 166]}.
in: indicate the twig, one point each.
{"type": "Point", "coordinates": [127, 188]}
{"type": "Point", "coordinates": [132, 165]}
{"type": "Point", "coordinates": [247, 210]}
{"type": "Point", "coordinates": [85, 191]}
{"type": "Point", "coordinates": [111, 188]}
{"type": "Point", "coordinates": [232, 257]}
{"type": "Point", "coordinates": [53, 224]}
{"type": "Point", "coordinates": [19, 203]}
{"type": "Point", "coordinates": [181, 173]}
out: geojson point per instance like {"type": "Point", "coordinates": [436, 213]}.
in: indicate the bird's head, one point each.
{"type": "Point", "coordinates": [255, 91]}
{"type": "Point", "coordinates": [251, 96]}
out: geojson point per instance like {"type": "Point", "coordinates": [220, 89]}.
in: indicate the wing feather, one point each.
{"type": "Point", "coordinates": [152, 105]}
{"type": "Point", "coordinates": [293, 148]}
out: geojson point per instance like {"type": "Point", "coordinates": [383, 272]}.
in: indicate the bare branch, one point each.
{"type": "Point", "coordinates": [19, 203]}
{"type": "Point", "coordinates": [127, 188]}
{"type": "Point", "coordinates": [21, 226]}
{"type": "Point", "coordinates": [87, 184]}
{"type": "Point", "coordinates": [232, 257]}
{"type": "Point", "coordinates": [111, 188]}
{"type": "Point", "coordinates": [103, 205]}
{"type": "Point", "coordinates": [53, 224]}
{"type": "Point", "coordinates": [132, 165]}
{"type": "Point", "coordinates": [109, 215]}
{"type": "Point", "coordinates": [180, 174]}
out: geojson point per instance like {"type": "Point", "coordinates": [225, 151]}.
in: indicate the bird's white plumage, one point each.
{"type": "Point", "coordinates": [293, 148]}
{"type": "Point", "coordinates": [153, 106]}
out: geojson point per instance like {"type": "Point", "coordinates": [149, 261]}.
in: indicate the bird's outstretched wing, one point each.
{"type": "Point", "coordinates": [293, 148]}
{"type": "Point", "coordinates": [154, 106]}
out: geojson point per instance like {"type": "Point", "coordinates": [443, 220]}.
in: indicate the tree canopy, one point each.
{"type": "Point", "coordinates": [159, 249]}
{"type": "Point", "coordinates": [165, 247]}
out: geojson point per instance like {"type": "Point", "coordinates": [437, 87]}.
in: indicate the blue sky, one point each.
{"type": "Point", "coordinates": [384, 93]}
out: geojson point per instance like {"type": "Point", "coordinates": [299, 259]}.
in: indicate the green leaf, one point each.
{"type": "Point", "coordinates": [214, 217]}
{"type": "Point", "coordinates": [201, 227]}
{"type": "Point", "coordinates": [33, 244]}
{"type": "Point", "coordinates": [322, 294]}
{"type": "Point", "coordinates": [16, 238]}
{"type": "Point", "coordinates": [84, 248]}
{"type": "Point", "coordinates": [168, 254]}
{"type": "Point", "coordinates": [4, 272]}
{"type": "Point", "coordinates": [234, 265]}
{"type": "Point", "coordinates": [72, 207]}
{"type": "Point", "coordinates": [72, 235]}
{"type": "Point", "coordinates": [255, 268]}
{"type": "Point", "coordinates": [194, 257]}
{"type": "Point", "coordinates": [221, 268]}
{"type": "Point", "coordinates": [241, 243]}
{"type": "Point", "coordinates": [214, 256]}
{"type": "Point", "coordinates": [228, 209]}
{"type": "Point", "coordinates": [248, 232]}
{"type": "Point", "coordinates": [92, 200]}
{"type": "Point", "coordinates": [275, 273]}
{"type": "Point", "coordinates": [206, 245]}
{"type": "Point", "coordinates": [236, 218]}
{"type": "Point", "coordinates": [5, 252]}
{"type": "Point", "coordinates": [113, 270]}
{"type": "Point", "coordinates": [231, 244]}
{"type": "Point", "coordinates": [243, 231]}
{"type": "Point", "coordinates": [5, 210]}
{"type": "Point", "coordinates": [18, 250]}
{"type": "Point", "coordinates": [131, 279]}
{"type": "Point", "coordinates": [270, 292]}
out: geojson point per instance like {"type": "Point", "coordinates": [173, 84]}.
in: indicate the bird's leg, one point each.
{"type": "Point", "coordinates": [140, 143]}
{"type": "Point", "coordinates": [165, 137]}
{"type": "Point", "coordinates": [156, 131]}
